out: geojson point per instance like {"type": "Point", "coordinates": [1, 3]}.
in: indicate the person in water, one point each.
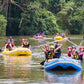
{"type": "Point", "coordinates": [69, 51]}
{"type": "Point", "coordinates": [26, 44]}
{"type": "Point", "coordinates": [57, 51]}
{"type": "Point", "coordinates": [75, 54]}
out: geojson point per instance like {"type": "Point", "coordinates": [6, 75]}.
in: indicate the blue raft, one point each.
{"type": "Point", "coordinates": [63, 62]}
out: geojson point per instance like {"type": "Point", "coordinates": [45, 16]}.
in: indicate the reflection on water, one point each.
{"type": "Point", "coordinates": [14, 66]}
{"type": "Point", "coordinates": [70, 77]}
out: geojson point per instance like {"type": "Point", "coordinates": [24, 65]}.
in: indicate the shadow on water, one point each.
{"type": "Point", "coordinates": [63, 77]}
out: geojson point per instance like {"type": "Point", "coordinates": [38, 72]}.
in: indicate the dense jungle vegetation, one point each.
{"type": "Point", "coordinates": [27, 17]}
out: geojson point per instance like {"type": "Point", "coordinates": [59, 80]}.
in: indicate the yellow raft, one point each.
{"type": "Point", "coordinates": [18, 52]}
{"type": "Point", "coordinates": [58, 38]}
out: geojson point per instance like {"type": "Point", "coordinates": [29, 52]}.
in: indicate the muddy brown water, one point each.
{"type": "Point", "coordinates": [27, 69]}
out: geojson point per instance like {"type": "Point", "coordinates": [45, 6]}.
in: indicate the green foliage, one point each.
{"type": "Point", "coordinates": [25, 17]}
{"type": "Point", "coordinates": [71, 18]}
{"type": "Point", "coordinates": [42, 20]}
{"type": "Point", "coordinates": [3, 24]}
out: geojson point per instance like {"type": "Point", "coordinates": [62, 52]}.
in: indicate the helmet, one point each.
{"type": "Point", "coordinates": [8, 39]}
{"type": "Point", "coordinates": [69, 47]}
{"type": "Point", "coordinates": [10, 36]}
{"type": "Point", "coordinates": [23, 39]}
{"type": "Point", "coordinates": [13, 40]}
{"type": "Point", "coordinates": [56, 42]}
{"type": "Point", "coordinates": [74, 47]}
{"type": "Point", "coordinates": [52, 46]}
{"type": "Point", "coordinates": [81, 47]}
{"type": "Point", "coordinates": [46, 45]}
{"type": "Point", "coordinates": [26, 40]}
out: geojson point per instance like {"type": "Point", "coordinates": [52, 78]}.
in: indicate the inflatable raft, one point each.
{"type": "Point", "coordinates": [39, 37]}
{"type": "Point", "coordinates": [59, 38]}
{"type": "Point", "coordinates": [18, 52]}
{"type": "Point", "coordinates": [63, 63]}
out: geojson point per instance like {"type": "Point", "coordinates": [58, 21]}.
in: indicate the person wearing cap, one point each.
{"type": "Point", "coordinates": [57, 51]}
{"type": "Point", "coordinates": [26, 44]}
{"type": "Point", "coordinates": [75, 54]}
{"type": "Point", "coordinates": [69, 51]}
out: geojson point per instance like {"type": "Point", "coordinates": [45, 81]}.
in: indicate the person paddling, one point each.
{"type": "Point", "coordinates": [69, 52]}
{"type": "Point", "coordinates": [81, 54]}
{"type": "Point", "coordinates": [45, 50]}
{"type": "Point", "coordinates": [57, 51]}
{"type": "Point", "coordinates": [26, 44]}
{"type": "Point", "coordinates": [10, 39]}
{"type": "Point", "coordinates": [8, 46]}
{"type": "Point", "coordinates": [75, 54]}
{"type": "Point", "coordinates": [49, 52]}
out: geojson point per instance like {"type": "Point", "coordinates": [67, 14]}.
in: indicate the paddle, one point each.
{"type": "Point", "coordinates": [70, 41]}
{"type": "Point", "coordinates": [77, 49]}
{"type": "Point", "coordinates": [41, 41]}
{"type": "Point", "coordinates": [80, 44]}
{"type": "Point", "coordinates": [42, 63]}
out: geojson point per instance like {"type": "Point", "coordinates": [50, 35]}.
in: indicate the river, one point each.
{"type": "Point", "coordinates": [27, 69]}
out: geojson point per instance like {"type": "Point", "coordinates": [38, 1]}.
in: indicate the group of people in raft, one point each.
{"type": "Point", "coordinates": [40, 34]}
{"type": "Point", "coordinates": [51, 52]}
{"type": "Point", "coordinates": [54, 51]}
{"type": "Point", "coordinates": [10, 45]}
{"type": "Point", "coordinates": [63, 35]}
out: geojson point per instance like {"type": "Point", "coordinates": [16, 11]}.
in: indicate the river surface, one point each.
{"type": "Point", "coordinates": [27, 69]}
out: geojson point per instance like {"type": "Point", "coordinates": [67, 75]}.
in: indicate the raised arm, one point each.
{"type": "Point", "coordinates": [42, 48]}
{"type": "Point", "coordinates": [58, 48]}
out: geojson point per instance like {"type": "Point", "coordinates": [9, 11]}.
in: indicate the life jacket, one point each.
{"type": "Point", "coordinates": [49, 55]}
{"type": "Point", "coordinates": [8, 45]}
{"type": "Point", "coordinates": [12, 44]}
{"type": "Point", "coordinates": [26, 44]}
{"type": "Point", "coordinates": [58, 53]}
{"type": "Point", "coordinates": [75, 55]}
{"type": "Point", "coordinates": [69, 53]}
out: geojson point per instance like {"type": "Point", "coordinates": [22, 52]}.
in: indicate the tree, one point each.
{"type": "Point", "coordinates": [3, 23]}
{"type": "Point", "coordinates": [37, 19]}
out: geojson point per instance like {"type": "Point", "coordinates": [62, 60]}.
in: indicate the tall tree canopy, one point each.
{"type": "Point", "coordinates": [26, 17]}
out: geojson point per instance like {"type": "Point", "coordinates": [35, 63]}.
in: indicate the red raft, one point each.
{"type": "Point", "coordinates": [39, 37]}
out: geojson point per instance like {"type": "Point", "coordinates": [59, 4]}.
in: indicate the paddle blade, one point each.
{"type": "Point", "coordinates": [42, 41]}
{"type": "Point", "coordinates": [42, 63]}
{"type": "Point", "coordinates": [34, 47]}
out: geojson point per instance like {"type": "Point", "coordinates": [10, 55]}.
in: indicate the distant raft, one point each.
{"type": "Point", "coordinates": [59, 38]}
{"type": "Point", "coordinates": [63, 63]}
{"type": "Point", "coordinates": [39, 37]}
{"type": "Point", "coordinates": [18, 52]}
